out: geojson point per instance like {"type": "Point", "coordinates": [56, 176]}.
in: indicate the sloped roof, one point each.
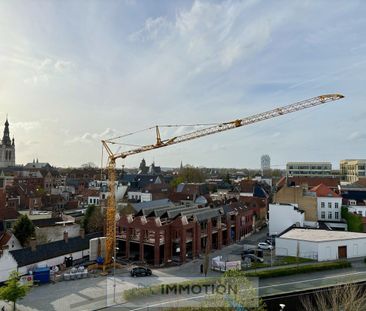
{"type": "Point", "coordinates": [26, 256]}
{"type": "Point", "coordinates": [331, 182]}
{"type": "Point", "coordinates": [152, 204]}
{"type": "Point", "coordinates": [5, 237]}
{"type": "Point", "coordinates": [207, 214]}
{"type": "Point", "coordinates": [324, 191]}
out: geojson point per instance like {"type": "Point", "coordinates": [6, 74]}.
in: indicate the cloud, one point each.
{"type": "Point", "coordinates": [27, 126]}
{"type": "Point", "coordinates": [93, 137]}
{"type": "Point", "coordinates": [210, 36]}
{"type": "Point", "coordinates": [354, 136]}
{"type": "Point", "coordinates": [46, 69]}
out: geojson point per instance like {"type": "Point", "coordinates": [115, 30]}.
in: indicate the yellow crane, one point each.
{"type": "Point", "coordinates": [159, 143]}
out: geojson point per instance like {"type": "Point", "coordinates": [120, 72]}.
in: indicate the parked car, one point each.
{"type": "Point", "coordinates": [140, 271]}
{"type": "Point", "coordinates": [248, 251]}
{"type": "Point", "coordinates": [252, 258]}
{"type": "Point", "coordinates": [254, 251]}
{"type": "Point", "coordinates": [264, 245]}
{"type": "Point", "coordinates": [271, 242]}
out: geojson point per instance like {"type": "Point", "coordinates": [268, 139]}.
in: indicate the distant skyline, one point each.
{"type": "Point", "coordinates": [75, 72]}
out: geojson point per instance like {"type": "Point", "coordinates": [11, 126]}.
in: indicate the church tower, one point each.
{"type": "Point", "coordinates": [7, 148]}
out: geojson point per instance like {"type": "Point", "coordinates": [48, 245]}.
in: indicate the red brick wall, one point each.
{"type": "Point", "coordinates": [2, 198]}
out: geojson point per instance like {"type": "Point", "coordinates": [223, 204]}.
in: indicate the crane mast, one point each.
{"type": "Point", "coordinates": [159, 143]}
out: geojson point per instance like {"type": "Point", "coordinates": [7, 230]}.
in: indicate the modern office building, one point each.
{"type": "Point", "coordinates": [309, 169]}
{"type": "Point", "coordinates": [353, 170]}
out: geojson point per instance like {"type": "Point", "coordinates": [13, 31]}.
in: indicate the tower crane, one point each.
{"type": "Point", "coordinates": [160, 143]}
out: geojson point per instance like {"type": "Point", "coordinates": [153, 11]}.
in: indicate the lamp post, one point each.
{"type": "Point", "coordinates": [272, 248]}
{"type": "Point", "coordinates": [115, 255]}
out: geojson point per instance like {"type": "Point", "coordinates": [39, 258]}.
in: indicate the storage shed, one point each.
{"type": "Point", "coordinates": [321, 245]}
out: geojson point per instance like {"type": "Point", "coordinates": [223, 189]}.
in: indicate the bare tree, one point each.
{"type": "Point", "coordinates": [349, 297]}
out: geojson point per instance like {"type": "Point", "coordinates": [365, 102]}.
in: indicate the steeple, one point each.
{"type": "Point", "coordinates": [6, 137]}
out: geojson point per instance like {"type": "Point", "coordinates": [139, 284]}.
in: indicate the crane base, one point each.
{"type": "Point", "coordinates": [105, 267]}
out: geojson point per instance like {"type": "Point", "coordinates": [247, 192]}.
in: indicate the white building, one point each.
{"type": "Point", "coordinates": [50, 254]}
{"type": "Point", "coordinates": [283, 216]}
{"type": "Point", "coordinates": [357, 208]}
{"type": "Point", "coordinates": [321, 245]}
{"type": "Point", "coordinates": [139, 196]}
{"type": "Point", "coordinates": [310, 169]}
{"type": "Point", "coordinates": [329, 204]}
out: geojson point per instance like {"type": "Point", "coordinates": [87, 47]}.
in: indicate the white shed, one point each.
{"type": "Point", "coordinates": [321, 245]}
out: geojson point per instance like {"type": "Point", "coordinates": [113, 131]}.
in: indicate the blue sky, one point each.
{"type": "Point", "coordinates": [74, 72]}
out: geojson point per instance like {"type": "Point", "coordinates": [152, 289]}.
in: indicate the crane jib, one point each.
{"type": "Point", "coordinates": [308, 103]}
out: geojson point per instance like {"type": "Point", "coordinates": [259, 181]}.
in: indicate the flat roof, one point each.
{"type": "Point", "coordinates": [318, 235]}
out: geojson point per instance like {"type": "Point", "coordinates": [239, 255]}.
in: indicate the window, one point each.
{"type": "Point", "coordinates": [322, 216]}
{"type": "Point", "coordinates": [322, 204]}
{"type": "Point", "coordinates": [330, 215]}
{"type": "Point", "coordinates": [336, 215]}
{"type": "Point", "coordinates": [336, 204]}
{"type": "Point", "coordinates": [330, 204]}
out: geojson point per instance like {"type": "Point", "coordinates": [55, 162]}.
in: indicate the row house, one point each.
{"type": "Point", "coordinates": [164, 232]}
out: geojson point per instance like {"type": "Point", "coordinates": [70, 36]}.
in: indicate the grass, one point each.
{"type": "Point", "coordinates": [301, 269]}
{"type": "Point", "coordinates": [287, 260]}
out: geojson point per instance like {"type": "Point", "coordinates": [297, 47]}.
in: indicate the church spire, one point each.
{"type": "Point", "coordinates": [6, 137]}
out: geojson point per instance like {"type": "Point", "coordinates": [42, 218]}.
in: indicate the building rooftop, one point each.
{"type": "Point", "coordinates": [316, 235]}
{"type": "Point", "coordinates": [43, 252]}
{"type": "Point", "coordinates": [324, 191]}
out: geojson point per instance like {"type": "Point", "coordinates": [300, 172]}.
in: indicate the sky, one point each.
{"type": "Point", "coordinates": [75, 72]}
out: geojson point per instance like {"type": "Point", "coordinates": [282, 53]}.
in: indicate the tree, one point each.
{"type": "Point", "coordinates": [189, 174]}
{"type": "Point", "coordinates": [349, 297]}
{"type": "Point", "coordinates": [13, 290]}
{"type": "Point", "coordinates": [243, 295]}
{"type": "Point", "coordinates": [88, 165]}
{"type": "Point", "coordinates": [93, 219]}
{"type": "Point", "coordinates": [23, 229]}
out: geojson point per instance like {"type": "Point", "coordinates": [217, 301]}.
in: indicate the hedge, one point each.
{"type": "Point", "coordinates": [301, 269]}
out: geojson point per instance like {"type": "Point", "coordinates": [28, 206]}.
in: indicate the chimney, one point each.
{"type": "Point", "coordinates": [66, 236]}
{"type": "Point", "coordinates": [33, 244]}
{"type": "Point", "coordinates": [82, 233]}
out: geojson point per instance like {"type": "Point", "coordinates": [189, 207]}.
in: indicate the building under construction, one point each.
{"type": "Point", "coordinates": [162, 234]}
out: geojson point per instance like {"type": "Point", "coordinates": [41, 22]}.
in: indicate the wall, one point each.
{"type": "Point", "coordinates": [282, 217]}
{"type": "Point", "coordinates": [7, 265]}
{"type": "Point", "coordinates": [13, 244]}
{"type": "Point", "coordinates": [56, 233]}
{"type": "Point", "coordinates": [327, 250]}
{"type": "Point", "coordinates": [53, 261]}
{"type": "Point", "coordinates": [332, 209]}
{"type": "Point", "coordinates": [295, 195]}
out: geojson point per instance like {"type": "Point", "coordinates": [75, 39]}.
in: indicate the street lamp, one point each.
{"type": "Point", "coordinates": [275, 233]}
{"type": "Point", "coordinates": [116, 218]}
